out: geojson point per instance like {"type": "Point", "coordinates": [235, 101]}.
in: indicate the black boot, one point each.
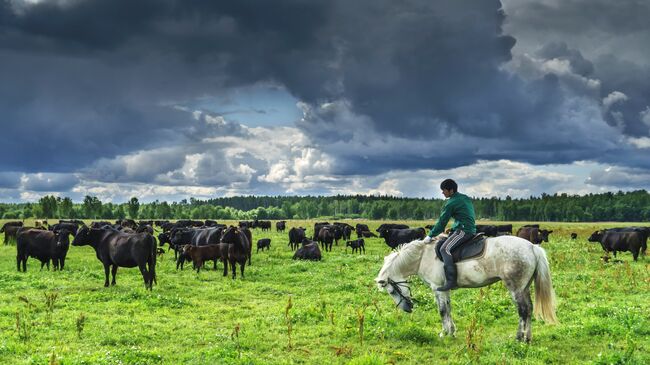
{"type": "Point", "coordinates": [450, 275]}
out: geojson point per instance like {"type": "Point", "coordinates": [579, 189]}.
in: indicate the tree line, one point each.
{"type": "Point", "coordinates": [619, 206]}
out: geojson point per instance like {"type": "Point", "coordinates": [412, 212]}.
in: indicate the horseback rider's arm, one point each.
{"type": "Point", "coordinates": [446, 214]}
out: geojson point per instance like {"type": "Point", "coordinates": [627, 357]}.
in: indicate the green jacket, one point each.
{"type": "Point", "coordinates": [459, 206]}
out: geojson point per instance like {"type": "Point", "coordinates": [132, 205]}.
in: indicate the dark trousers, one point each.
{"type": "Point", "coordinates": [455, 239]}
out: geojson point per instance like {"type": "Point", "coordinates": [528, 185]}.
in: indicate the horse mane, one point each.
{"type": "Point", "coordinates": [407, 252]}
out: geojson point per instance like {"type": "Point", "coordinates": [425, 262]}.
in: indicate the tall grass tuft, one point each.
{"type": "Point", "coordinates": [81, 322]}
{"type": "Point", "coordinates": [474, 336]}
{"type": "Point", "coordinates": [287, 318]}
{"type": "Point", "coordinates": [235, 337]}
{"type": "Point", "coordinates": [24, 320]}
{"type": "Point", "coordinates": [50, 300]}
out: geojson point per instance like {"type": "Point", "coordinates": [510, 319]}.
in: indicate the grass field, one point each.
{"type": "Point", "coordinates": [336, 315]}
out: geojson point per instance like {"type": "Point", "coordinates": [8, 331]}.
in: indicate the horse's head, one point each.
{"type": "Point", "coordinates": [395, 283]}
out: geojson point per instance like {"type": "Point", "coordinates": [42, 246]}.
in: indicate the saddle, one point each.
{"type": "Point", "coordinates": [468, 250]}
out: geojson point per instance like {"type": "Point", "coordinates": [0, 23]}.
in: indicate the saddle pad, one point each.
{"type": "Point", "coordinates": [468, 250]}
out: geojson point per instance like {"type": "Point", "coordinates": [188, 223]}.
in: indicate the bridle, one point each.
{"type": "Point", "coordinates": [398, 289]}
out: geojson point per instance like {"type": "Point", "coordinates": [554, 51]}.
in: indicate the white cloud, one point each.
{"type": "Point", "coordinates": [613, 98]}
{"type": "Point", "coordinates": [645, 116]}
{"type": "Point", "coordinates": [641, 142]}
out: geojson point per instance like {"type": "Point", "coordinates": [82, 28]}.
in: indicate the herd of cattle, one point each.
{"type": "Point", "coordinates": [128, 243]}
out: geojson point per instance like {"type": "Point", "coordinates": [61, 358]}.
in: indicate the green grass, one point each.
{"type": "Point", "coordinates": [191, 319]}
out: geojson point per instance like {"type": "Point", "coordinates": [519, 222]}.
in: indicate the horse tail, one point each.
{"type": "Point", "coordinates": [544, 294]}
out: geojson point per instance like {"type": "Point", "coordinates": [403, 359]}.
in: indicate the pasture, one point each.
{"type": "Point", "coordinates": [328, 312]}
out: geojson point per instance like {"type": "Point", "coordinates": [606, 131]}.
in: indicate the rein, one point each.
{"type": "Point", "coordinates": [398, 289]}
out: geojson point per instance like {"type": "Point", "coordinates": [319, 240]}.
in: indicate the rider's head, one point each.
{"type": "Point", "coordinates": [448, 187]}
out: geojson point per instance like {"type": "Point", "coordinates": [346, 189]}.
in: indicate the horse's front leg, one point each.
{"type": "Point", "coordinates": [444, 307]}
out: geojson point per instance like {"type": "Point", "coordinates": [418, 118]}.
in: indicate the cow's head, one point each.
{"type": "Point", "coordinates": [180, 237]}
{"type": "Point", "coordinates": [62, 238]}
{"type": "Point", "coordinates": [82, 237]}
{"type": "Point", "coordinates": [596, 236]}
{"type": "Point", "coordinates": [544, 235]}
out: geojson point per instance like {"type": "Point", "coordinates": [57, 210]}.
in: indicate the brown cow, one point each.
{"type": "Point", "coordinates": [533, 234]}
{"type": "Point", "coordinates": [201, 254]}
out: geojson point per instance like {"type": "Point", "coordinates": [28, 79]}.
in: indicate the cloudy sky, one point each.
{"type": "Point", "coordinates": [171, 99]}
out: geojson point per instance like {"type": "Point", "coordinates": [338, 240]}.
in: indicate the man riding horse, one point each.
{"type": "Point", "coordinates": [458, 206]}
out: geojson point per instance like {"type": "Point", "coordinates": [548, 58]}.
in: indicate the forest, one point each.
{"type": "Point", "coordinates": [631, 206]}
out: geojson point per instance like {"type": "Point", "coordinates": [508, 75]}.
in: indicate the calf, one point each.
{"type": "Point", "coordinates": [201, 254]}
{"type": "Point", "coordinates": [262, 243]}
{"type": "Point", "coordinates": [574, 236]}
{"type": "Point", "coordinates": [356, 245]}
{"type": "Point", "coordinates": [42, 245]}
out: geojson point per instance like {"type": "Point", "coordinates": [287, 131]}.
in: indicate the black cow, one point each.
{"type": "Point", "coordinates": [296, 235]}
{"type": "Point", "coordinates": [574, 236]}
{"type": "Point", "coordinates": [346, 230]}
{"type": "Point", "coordinates": [44, 246]}
{"type": "Point", "coordinates": [356, 245]}
{"type": "Point", "coordinates": [504, 229]}
{"type": "Point", "coordinates": [308, 251]}
{"type": "Point", "coordinates": [264, 225]}
{"type": "Point", "coordinates": [127, 222]}
{"type": "Point", "coordinates": [11, 224]}
{"type": "Point", "coordinates": [280, 226]}
{"type": "Point", "coordinates": [612, 241]}
{"type": "Point", "coordinates": [67, 226]}
{"type": "Point", "coordinates": [387, 226]}
{"type": "Point", "coordinates": [262, 243]}
{"type": "Point", "coordinates": [76, 222]}
{"type": "Point", "coordinates": [317, 227]}
{"type": "Point", "coordinates": [367, 234]}
{"type": "Point", "coordinates": [396, 237]}
{"type": "Point", "coordinates": [361, 228]}
{"type": "Point", "coordinates": [117, 249]}
{"type": "Point", "coordinates": [488, 230]}
{"type": "Point", "coordinates": [144, 229]}
{"type": "Point", "coordinates": [99, 224]}
{"type": "Point", "coordinates": [326, 237]}
{"type": "Point", "coordinates": [236, 247]}
{"type": "Point", "coordinates": [249, 235]}
{"type": "Point", "coordinates": [11, 232]}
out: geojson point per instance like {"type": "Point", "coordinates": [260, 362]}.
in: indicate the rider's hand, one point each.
{"type": "Point", "coordinates": [427, 239]}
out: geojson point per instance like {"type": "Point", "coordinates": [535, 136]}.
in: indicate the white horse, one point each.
{"type": "Point", "coordinates": [514, 260]}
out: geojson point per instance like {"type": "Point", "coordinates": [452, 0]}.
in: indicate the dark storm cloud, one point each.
{"type": "Point", "coordinates": [613, 37]}
{"type": "Point", "coordinates": [87, 81]}
{"type": "Point", "coordinates": [9, 180]}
